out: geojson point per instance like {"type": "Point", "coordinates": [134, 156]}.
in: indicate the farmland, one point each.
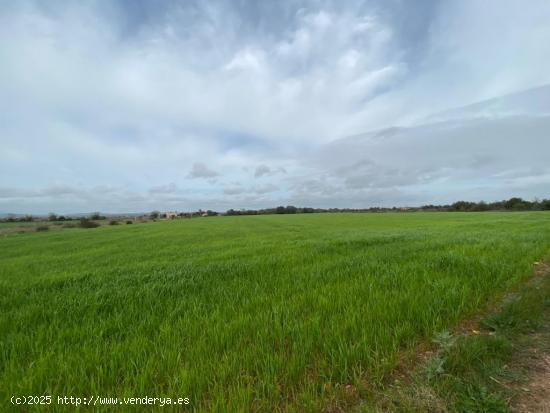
{"type": "Point", "coordinates": [250, 313]}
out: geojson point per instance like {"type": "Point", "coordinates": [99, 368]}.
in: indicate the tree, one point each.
{"type": "Point", "coordinates": [481, 206]}
{"type": "Point", "coordinates": [291, 209]}
{"type": "Point", "coordinates": [52, 217]}
{"type": "Point", "coordinates": [96, 216]}
{"type": "Point", "coordinates": [517, 204]}
{"type": "Point", "coordinates": [463, 206]}
{"type": "Point", "coordinates": [154, 214]}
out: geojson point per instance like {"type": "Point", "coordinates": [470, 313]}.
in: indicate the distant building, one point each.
{"type": "Point", "coordinates": [171, 215]}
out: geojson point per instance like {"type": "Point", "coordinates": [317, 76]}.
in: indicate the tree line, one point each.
{"type": "Point", "coordinates": [512, 204]}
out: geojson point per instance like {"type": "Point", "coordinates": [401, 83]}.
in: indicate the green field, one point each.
{"type": "Point", "coordinates": [251, 313]}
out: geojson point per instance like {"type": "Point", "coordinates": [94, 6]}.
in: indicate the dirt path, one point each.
{"type": "Point", "coordinates": [533, 395]}
{"type": "Point", "coordinates": [478, 371]}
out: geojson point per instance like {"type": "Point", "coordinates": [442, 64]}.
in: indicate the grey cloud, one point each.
{"type": "Point", "coordinates": [200, 170]}
{"type": "Point", "coordinates": [532, 102]}
{"type": "Point", "coordinates": [259, 190]}
{"type": "Point", "coordinates": [262, 170]}
{"type": "Point", "coordinates": [233, 190]}
{"type": "Point", "coordinates": [265, 189]}
{"type": "Point", "coordinates": [360, 198]}
{"type": "Point", "coordinates": [524, 172]}
{"type": "Point", "coordinates": [17, 193]}
{"type": "Point", "coordinates": [85, 199]}
{"type": "Point", "coordinates": [475, 156]}
{"type": "Point", "coordinates": [59, 190]}
{"type": "Point", "coordinates": [366, 173]}
{"type": "Point", "coordinates": [457, 155]}
{"type": "Point", "coordinates": [52, 191]}
{"type": "Point", "coordinates": [314, 187]}
{"type": "Point", "coordinates": [164, 189]}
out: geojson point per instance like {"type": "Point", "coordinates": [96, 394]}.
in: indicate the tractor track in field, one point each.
{"type": "Point", "coordinates": [530, 393]}
{"type": "Point", "coordinates": [528, 387]}
{"type": "Point", "coordinates": [533, 394]}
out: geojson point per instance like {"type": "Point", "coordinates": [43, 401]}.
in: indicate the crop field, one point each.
{"type": "Point", "coordinates": [250, 313]}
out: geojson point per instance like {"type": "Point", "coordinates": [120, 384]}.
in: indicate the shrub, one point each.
{"type": "Point", "coordinates": [69, 225]}
{"type": "Point", "coordinates": [113, 222]}
{"type": "Point", "coordinates": [129, 222]}
{"type": "Point", "coordinates": [42, 228]}
{"type": "Point", "coordinates": [86, 223]}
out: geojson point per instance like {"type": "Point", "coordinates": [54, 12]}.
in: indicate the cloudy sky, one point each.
{"type": "Point", "coordinates": [123, 106]}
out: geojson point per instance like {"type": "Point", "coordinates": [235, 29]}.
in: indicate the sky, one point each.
{"type": "Point", "coordinates": [133, 105]}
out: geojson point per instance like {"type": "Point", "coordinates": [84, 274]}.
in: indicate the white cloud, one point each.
{"type": "Point", "coordinates": [95, 96]}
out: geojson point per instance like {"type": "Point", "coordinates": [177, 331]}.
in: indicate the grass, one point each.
{"type": "Point", "coordinates": [254, 313]}
{"type": "Point", "coordinates": [479, 372]}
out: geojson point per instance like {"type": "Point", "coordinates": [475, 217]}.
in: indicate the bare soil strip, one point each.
{"type": "Point", "coordinates": [533, 394]}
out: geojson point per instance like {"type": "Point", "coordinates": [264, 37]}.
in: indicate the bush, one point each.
{"type": "Point", "coordinates": [42, 228]}
{"type": "Point", "coordinates": [86, 223]}
{"type": "Point", "coordinates": [129, 222]}
{"type": "Point", "coordinates": [69, 225]}
{"type": "Point", "coordinates": [113, 222]}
